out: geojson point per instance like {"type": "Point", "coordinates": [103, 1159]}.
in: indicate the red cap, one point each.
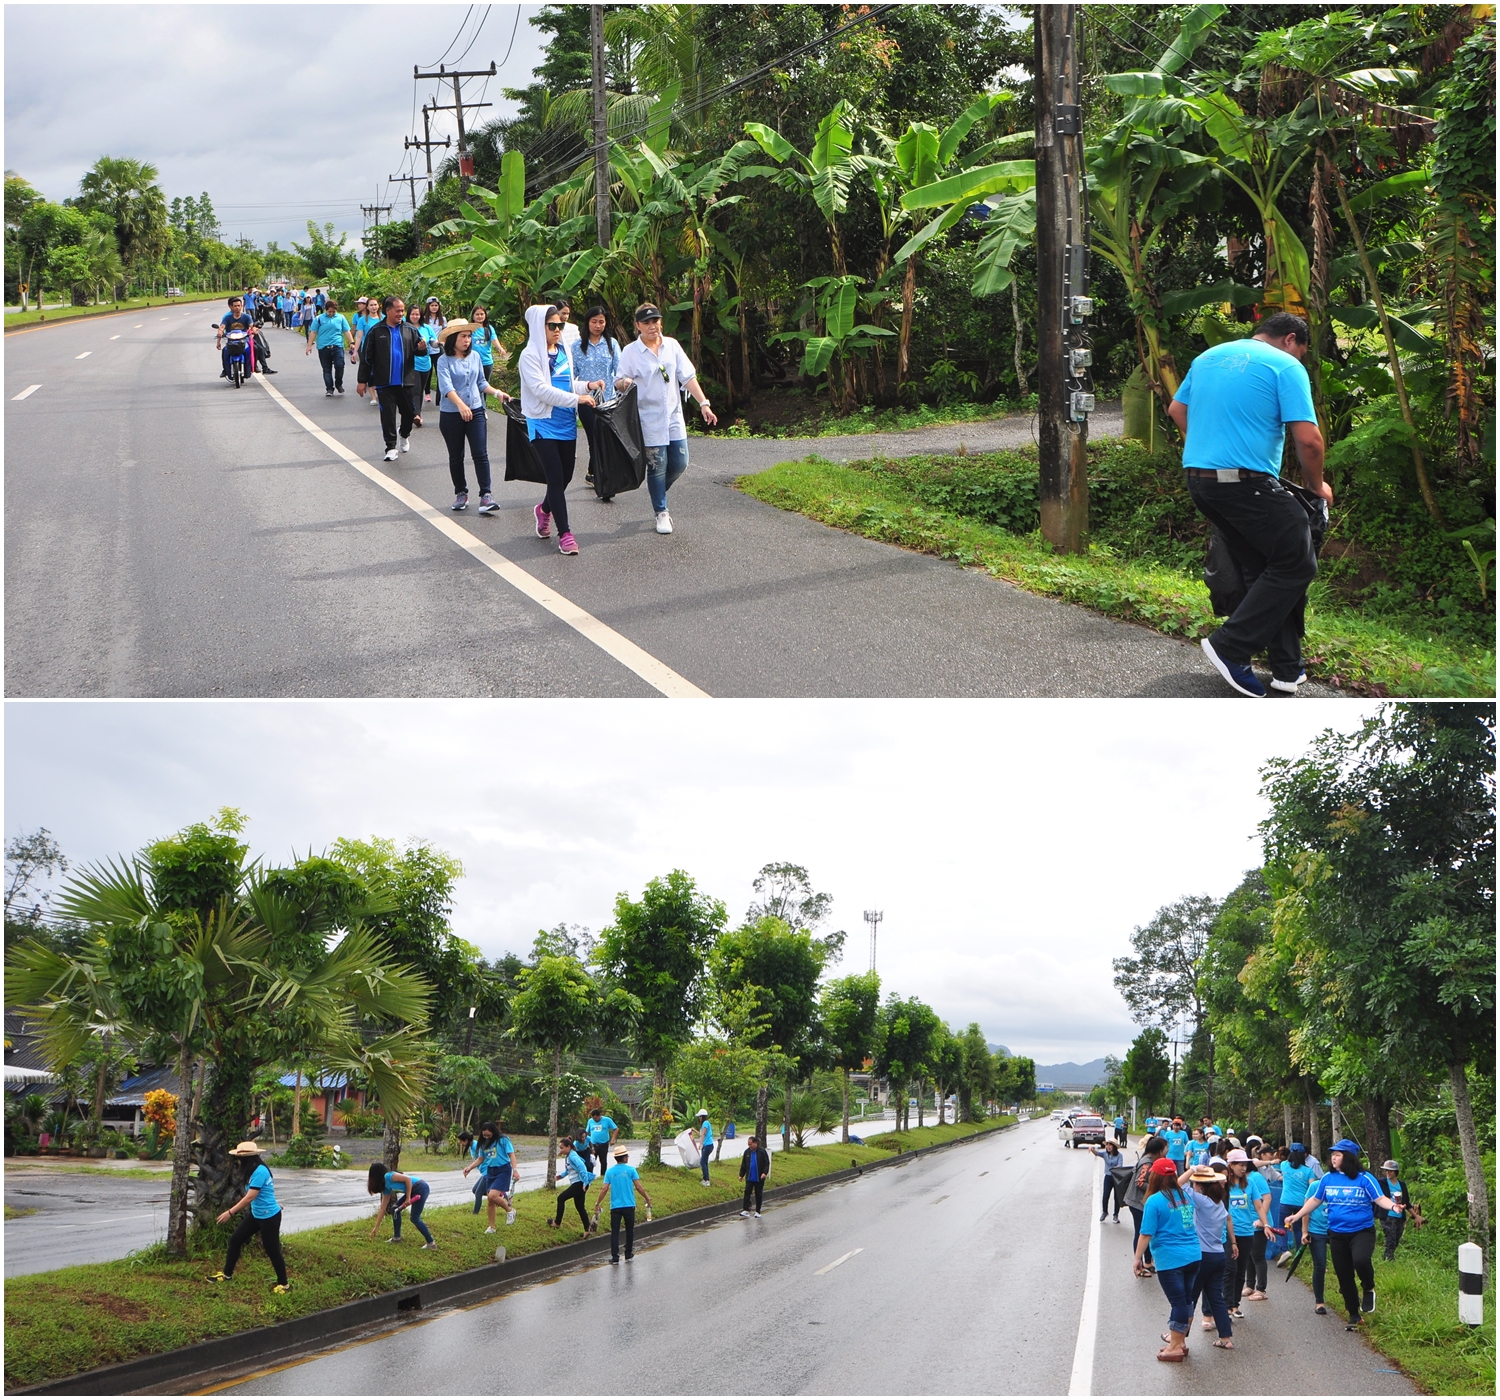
{"type": "Point", "coordinates": [1164, 1166]}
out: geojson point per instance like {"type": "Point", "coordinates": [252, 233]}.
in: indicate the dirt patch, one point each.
{"type": "Point", "coordinates": [123, 1309]}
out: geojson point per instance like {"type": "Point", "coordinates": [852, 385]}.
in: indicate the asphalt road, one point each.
{"type": "Point", "coordinates": [167, 535]}
{"type": "Point", "coordinates": [960, 1273]}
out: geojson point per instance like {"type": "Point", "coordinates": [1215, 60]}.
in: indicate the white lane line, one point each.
{"type": "Point", "coordinates": [26, 393]}
{"type": "Point", "coordinates": [842, 1259]}
{"type": "Point", "coordinates": [137, 325]}
{"type": "Point", "coordinates": [1082, 1381]}
{"type": "Point", "coordinates": [655, 673]}
{"type": "Point", "coordinates": [114, 337]}
{"type": "Point", "coordinates": [83, 356]}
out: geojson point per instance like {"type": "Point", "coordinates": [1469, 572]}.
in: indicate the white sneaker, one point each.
{"type": "Point", "coordinates": [757, 1215]}
{"type": "Point", "coordinates": [510, 1217]}
{"type": "Point", "coordinates": [406, 444]}
{"type": "Point", "coordinates": [744, 1215]}
{"type": "Point", "coordinates": [1289, 687]}
{"type": "Point", "coordinates": [390, 454]}
{"type": "Point", "coordinates": [663, 522]}
{"type": "Point", "coordinates": [489, 1230]}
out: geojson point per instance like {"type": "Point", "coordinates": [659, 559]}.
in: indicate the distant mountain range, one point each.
{"type": "Point", "coordinates": [1071, 1074]}
{"type": "Point", "coordinates": [999, 1050]}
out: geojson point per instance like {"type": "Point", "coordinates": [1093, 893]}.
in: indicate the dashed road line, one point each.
{"type": "Point", "coordinates": [842, 1259]}
{"type": "Point", "coordinates": [26, 393]}
{"type": "Point", "coordinates": [655, 673]}
{"type": "Point", "coordinates": [83, 356]}
{"type": "Point", "coordinates": [114, 337]}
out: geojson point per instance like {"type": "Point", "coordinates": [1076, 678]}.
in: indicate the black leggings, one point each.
{"type": "Point", "coordinates": [759, 1188]}
{"type": "Point", "coordinates": [476, 433]}
{"type": "Point", "coordinates": [424, 386]}
{"type": "Point", "coordinates": [269, 1231]}
{"type": "Point", "coordinates": [556, 457]}
{"type": "Point", "coordinates": [574, 1193]}
{"type": "Point", "coordinates": [1111, 1188]}
{"type": "Point", "coordinates": [1352, 1256]}
{"type": "Point", "coordinates": [1244, 1266]}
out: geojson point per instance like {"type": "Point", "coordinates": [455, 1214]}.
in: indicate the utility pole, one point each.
{"type": "Point", "coordinates": [410, 180]}
{"type": "Point", "coordinates": [377, 210]}
{"type": "Point", "coordinates": [873, 918]}
{"type": "Point", "coordinates": [427, 143]}
{"type": "Point", "coordinates": [601, 126]}
{"type": "Point", "coordinates": [465, 160]}
{"type": "Point", "coordinates": [1063, 303]}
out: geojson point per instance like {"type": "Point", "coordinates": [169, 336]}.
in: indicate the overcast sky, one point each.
{"type": "Point", "coordinates": [1012, 846]}
{"type": "Point", "coordinates": [326, 97]}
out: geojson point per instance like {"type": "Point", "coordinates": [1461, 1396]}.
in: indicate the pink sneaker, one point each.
{"type": "Point", "coordinates": [567, 544]}
{"type": "Point", "coordinates": [543, 523]}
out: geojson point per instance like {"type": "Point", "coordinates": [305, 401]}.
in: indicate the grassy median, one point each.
{"type": "Point", "coordinates": [71, 1320]}
{"type": "Point", "coordinates": [1144, 565]}
{"type": "Point", "coordinates": [54, 314]}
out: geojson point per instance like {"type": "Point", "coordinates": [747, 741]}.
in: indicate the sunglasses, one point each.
{"type": "Point", "coordinates": [554, 325]}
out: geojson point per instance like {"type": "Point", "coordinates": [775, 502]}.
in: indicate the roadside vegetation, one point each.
{"type": "Point", "coordinates": [71, 1320]}
{"type": "Point", "coordinates": [1396, 610]}
{"type": "Point", "coordinates": [17, 319]}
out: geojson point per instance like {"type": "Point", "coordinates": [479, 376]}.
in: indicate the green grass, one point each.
{"type": "Point", "coordinates": [46, 1164]}
{"type": "Point", "coordinates": [14, 319]}
{"type": "Point", "coordinates": [1416, 1323]}
{"type": "Point", "coordinates": [74, 1319]}
{"type": "Point", "coordinates": [12, 1213]}
{"type": "Point", "coordinates": [866, 420]}
{"type": "Point", "coordinates": [937, 505]}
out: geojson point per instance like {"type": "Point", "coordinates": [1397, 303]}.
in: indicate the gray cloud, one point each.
{"type": "Point", "coordinates": [1012, 846]}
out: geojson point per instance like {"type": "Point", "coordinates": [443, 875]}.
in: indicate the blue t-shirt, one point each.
{"type": "Point", "coordinates": [398, 358]}
{"type": "Point", "coordinates": [1240, 396]}
{"type": "Point", "coordinates": [1396, 1190]}
{"type": "Point", "coordinates": [329, 331]}
{"type": "Point", "coordinates": [1242, 1199]}
{"type": "Point", "coordinates": [600, 1131]}
{"type": "Point", "coordinates": [230, 322]}
{"type": "Point", "coordinates": [496, 1154]}
{"type": "Point", "coordinates": [577, 1169]}
{"type": "Point", "coordinates": [363, 323]}
{"type": "Point", "coordinates": [562, 423]}
{"type": "Point", "coordinates": [1176, 1141]}
{"type": "Point", "coordinates": [429, 339]}
{"type": "Point", "coordinates": [708, 1133]}
{"type": "Point", "coordinates": [621, 1179]}
{"type": "Point", "coordinates": [754, 1164]}
{"type": "Point", "coordinates": [1317, 1222]}
{"type": "Point", "coordinates": [394, 1187]}
{"type": "Point", "coordinates": [484, 342]}
{"type": "Point", "coordinates": [264, 1206]}
{"type": "Point", "coordinates": [1294, 1184]}
{"type": "Point", "coordinates": [1351, 1204]}
{"type": "Point", "coordinates": [1173, 1228]}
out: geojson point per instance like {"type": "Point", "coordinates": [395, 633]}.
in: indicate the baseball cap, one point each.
{"type": "Point", "coordinates": [647, 312]}
{"type": "Point", "coordinates": [1164, 1166]}
{"type": "Point", "coordinates": [1391, 1166]}
{"type": "Point", "coordinates": [1347, 1145]}
{"type": "Point", "coordinates": [1239, 1155]}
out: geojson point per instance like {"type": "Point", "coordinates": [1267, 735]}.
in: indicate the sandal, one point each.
{"type": "Point", "coordinates": [1224, 1344]}
{"type": "Point", "coordinates": [1320, 1310]}
{"type": "Point", "coordinates": [1165, 1355]}
{"type": "Point", "coordinates": [1209, 1325]}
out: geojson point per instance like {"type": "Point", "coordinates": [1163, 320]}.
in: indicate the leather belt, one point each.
{"type": "Point", "coordinates": [1228, 474]}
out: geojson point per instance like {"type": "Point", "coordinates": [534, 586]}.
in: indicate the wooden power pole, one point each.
{"type": "Point", "coordinates": [427, 143]}
{"type": "Point", "coordinates": [1063, 304]}
{"type": "Point", "coordinates": [465, 160]}
{"type": "Point", "coordinates": [601, 126]}
{"type": "Point", "coordinates": [377, 210]}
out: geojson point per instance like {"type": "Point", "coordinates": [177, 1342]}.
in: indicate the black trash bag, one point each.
{"type": "Point", "coordinates": [1221, 573]}
{"type": "Point", "coordinates": [621, 455]}
{"type": "Point", "coordinates": [521, 463]}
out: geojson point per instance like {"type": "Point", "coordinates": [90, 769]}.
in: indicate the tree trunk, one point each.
{"type": "Point", "coordinates": [1468, 1141]}
{"type": "Point", "coordinates": [942, 1105]}
{"type": "Point", "coordinates": [390, 1145]}
{"type": "Point", "coordinates": [1335, 1124]}
{"type": "Point", "coordinates": [1314, 1136]}
{"type": "Point", "coordinates": [297, 1105]}
{"type": "Point", "coordinates": [1015, 313]}
{"type": "Point", "coordinates": [786, 1117]}
{"type": "Point", "coordinates": [1286, 1112]}
{"type": "Point", "coordinates": [921, 1102]}
{"type": "Point", "coordinates": [745, 384]}
{"type": "Point", "coordinates": [1378, 1128]}
{"type": "Point", "coordinates": [762, 1109]}
{"type": "Point", "coordinates": [908, 306]}
{"type": "Point", "coordinates": [658, 1093]}
{"type": "Point", "coordinates": [846, 1105]}
{"type": "Point", "coordinates": [552, 1122]}
{"type": "Point", "coordinates": [98, 1114]}
{"type": "Point", "coordinates": [182, 1148]}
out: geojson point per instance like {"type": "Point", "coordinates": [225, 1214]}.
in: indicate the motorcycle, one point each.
{"type": "Point", "coordinates": [241, 355]}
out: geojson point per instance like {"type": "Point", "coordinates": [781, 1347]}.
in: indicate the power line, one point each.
{"type": "Point", "coordinates": [477, 33]}
{"type": "Point", "coordinates": [456, 38]}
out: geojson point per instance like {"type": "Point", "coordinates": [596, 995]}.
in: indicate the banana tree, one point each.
{"type": "Point", "coordinates": [1007, 189]}
{"type": "Point", "coordinates": [836, 300]}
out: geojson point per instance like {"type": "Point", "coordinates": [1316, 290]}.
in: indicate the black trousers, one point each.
{"type": "Point", "coordinates": [1269, 537]}
{"type": "Point", "coordinates": [476, 433]}
{"type": "Point", "coordinates": [1136, 1212]}
{"type": "Point", "coordinates": [619, 1215]}
{"type": "Point", "coordinates": [269, 1231]}
{"type": "Point", "coordinates": [759, 1190]}
{"type": "Point", "coordinates": [1394, 1227]}
{"type": "Point", "coordinates": [556, 456]}
{"type": "Point", "coordinates": [1111, 1188]}
{"type": "Point", "coordinates": [399, 398]}
{"type": "Point", "coordinates": [574, 1193]}
{"type": "Point", "coordinates": [1352, 1256]}
{"type": "Point", "coordinates": [1244, 1266]}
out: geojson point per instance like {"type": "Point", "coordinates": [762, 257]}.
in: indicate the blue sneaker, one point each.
{"type": "Point", "coordinates": [1242, 678]}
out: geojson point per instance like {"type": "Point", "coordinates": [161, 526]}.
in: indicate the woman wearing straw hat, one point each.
{"type": "Point", "coordinates": [1211, 1216]}
{"type": "Point", "coordinates": [462, 384]}
{"type": "Point", "coordinates": [262, 1217]}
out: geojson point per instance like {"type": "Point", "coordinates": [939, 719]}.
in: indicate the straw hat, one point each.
{"type": "Point", "coordinates": [454, 327]}
{"type": "Point", "coordinates": [1202, 1174]}
{"type": "Point", "coordinates": [248, 1148]}
{"type": "Point", "coordinates": [622, 1154]}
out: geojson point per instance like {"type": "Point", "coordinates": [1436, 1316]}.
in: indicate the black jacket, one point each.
{"type": "Point", "coordinates": [765, 1162]}
{"type": "Point", "coordinates": [375, 354]}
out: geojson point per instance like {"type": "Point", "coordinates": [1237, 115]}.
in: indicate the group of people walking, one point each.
{"type": "Point", "coordinates": [1212, 1215]}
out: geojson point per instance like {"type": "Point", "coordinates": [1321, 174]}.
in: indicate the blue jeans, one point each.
{"type": "Point", "coordinates": [331, 357]}
{"type": "Point", "coordinates": [1293, 1236]}
{"type": "Point", "coordinates": [1180, 1286]}
{"type": "Point", "coordinates": [663, 466]}
{"type": "Point", "coordinates": [1318, 1247]}
{"type": "Point", "coordinates": [1210, 1287]}
{"type": "Point", "coordinates": [420, 1191]}
{"type": "Point", "coordinates": [708, 1151]}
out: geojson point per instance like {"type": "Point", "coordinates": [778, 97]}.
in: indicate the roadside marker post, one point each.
{"type": "Point", "coordinates": [1470, 1285]}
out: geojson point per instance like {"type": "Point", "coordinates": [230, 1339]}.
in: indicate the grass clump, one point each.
{"type": "Point", "coordinates": [70, 1320]}
{"type": "Point", "coordinates": [1145, 558]}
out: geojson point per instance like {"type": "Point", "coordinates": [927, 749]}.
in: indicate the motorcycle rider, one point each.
{"type": "Point", "coordinates": [238, 319]}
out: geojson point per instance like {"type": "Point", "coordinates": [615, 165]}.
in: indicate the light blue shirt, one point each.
{"type": "Point", "coordinates": [601, 361]}
{"type": "Point", "coordinates": [329, 331]}
{"type": "Point", "coordinates": [1242, 1199]}
{"type": "Point", "coordinates": [264, 1206]}
{"type": "Point", "coordinates": [1177, 1141]}
{"type": "Point", "coordinates": [463, 375]}
{"type": "Point", "coordinates": [600, 1131]}
{"type": "Point", "coordinates": [429, 338]}
{"type": "Point", "coordinates": [1240, 396]}
{"type": "Point", "coordinates": [1173, 1227]}
{"type": "Point", "coordinates": [483, 342]}
{"type": "Point", "coordinates": [562, 423]}
{"type": "Point", "coordinates": [708, 1133]}
{"type": "Point", "coordinates": [621, 1179]}
{"type": "Point", "coordinates": [577, 1169]}
{"type": "Point", "coordinates": [1295, 1182]}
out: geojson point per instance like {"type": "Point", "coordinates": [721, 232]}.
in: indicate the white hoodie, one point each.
{"type": "Point", "coordinates": [538, 395]}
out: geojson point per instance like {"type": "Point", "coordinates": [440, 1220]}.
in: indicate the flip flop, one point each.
{"type": "Point", "coordinates": [1165, 1355]}
{"type": "Point", "coordinates": [1224, 1344]}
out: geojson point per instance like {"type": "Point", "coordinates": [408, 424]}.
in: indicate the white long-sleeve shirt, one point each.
{"type": "Point", "coordinates": [661, 378]}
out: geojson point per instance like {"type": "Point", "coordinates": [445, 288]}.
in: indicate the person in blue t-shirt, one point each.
{"type": "Point", "coordinates": [498, 1171]}
{"type": "Point", "coordinates": [262, 1217]}
{"type": "Point", "coordinates": [576, 1178]}
{"type": "Point", "coordinates": [1351, 1195]}
{"type": "Point", "coordinates": [1297, 1177]}
{"type": "Point", "coordinates": [1169, 1229]}
{"type": "Point", "coordinates": [1234, 408]}
{"type": "Point", "coordinates": [1394, 1224]}
{"type": "Point", "coordinates": [399, 1191]}
{"type": "Point", "coordinates": [703, 1139]}
{"type": "Point", "coordinates": [755, 1170]}
{"type": "Point", "coordinates": [621, 1181]}
{"type": "Point", "coordinates": [602, 1133]}
{"type": "Point", "coordinates": [331, 337]}
{"type": "Point", "coordinates": [1176, 1139]}
{"type": "Point", "coordinates": [1249, 1201]}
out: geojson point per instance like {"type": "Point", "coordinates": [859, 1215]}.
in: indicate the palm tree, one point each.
{"type": "Point", "coordinates": [127, 191]}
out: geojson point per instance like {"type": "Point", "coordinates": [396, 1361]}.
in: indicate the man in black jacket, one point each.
{"type": "Point", "coordinates": [387, 365]}
{"type": "Point", "coordinates": [755, 1167]}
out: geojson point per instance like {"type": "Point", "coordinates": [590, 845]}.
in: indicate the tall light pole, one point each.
{"type": "Point", "coordinates": [873, 918]}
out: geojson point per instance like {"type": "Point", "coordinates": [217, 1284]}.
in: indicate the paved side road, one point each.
{"type": "Point", "coordinates": [169, 536]}
{"type": "Point", "coordinates": [959, 1273]}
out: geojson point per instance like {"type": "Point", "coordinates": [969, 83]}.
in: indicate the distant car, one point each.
{"type": "Point", "coordinates": [1081, 1128]}
{"type": "Point", "coordinates": [174, 291]}
{"type": "Point", "coordinates": [1058, 1114]}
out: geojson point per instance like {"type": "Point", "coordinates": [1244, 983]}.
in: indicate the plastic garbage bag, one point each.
{"type": "Point", "coordinates": [621, 454]}
{"type": "Point", "coordinates": [521, 462]}
{"type": "Point", "coordinates": [686, 1146]}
